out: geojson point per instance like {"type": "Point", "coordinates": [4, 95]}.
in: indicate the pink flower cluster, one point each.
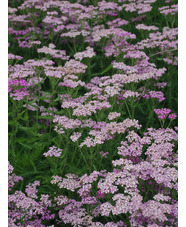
{"type": "Point", "coordinates": [163, 113]}
{"type": "Point", "coordinates": [113, 115]}
{"type": "Point", "coordinates": [64, 122]}
{"type": "Point", "coordinates": [173, 9]}
{"type": "Point", "coordinates": [24, 209]}
{"type": "Point", "coordinates": [53, 151]}
{"type": "Point", "coordinates": [155, 94]}
{"type": "Point", "coordinates": [54, 53]}
{"type": "Point", "coordinates": [75, 136]}
{"type": "Point", "coordinates": [108, 132]}
{"type": "Point", "coordinates": [12, 56]}
{"type": "Point", "coordinates": [159, 171]}
{"type": "Point", "coordinates": [88, 53]}
{"type": "Point", "coordinates": [145, 27]}
{"type": "Point", "coordinates": [12, 178]}
{"type": "Point", "coordinates": [89, 74]}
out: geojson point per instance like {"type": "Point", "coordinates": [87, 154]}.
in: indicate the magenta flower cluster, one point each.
{"type": "Point", "coordinates": [163, 113]}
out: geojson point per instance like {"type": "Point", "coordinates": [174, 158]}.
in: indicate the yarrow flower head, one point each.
{"type": "Point", "coordinates": [145, 27]}
{"type": "Point", "coordinates": [75, 136]}
{"type": "Point", "coordinates": [31, 190]}
{"type": "Point", "coordinates": [53, 151]}
{"type": "Point", "coordinates": [100, 195]}
{"type": "Point", "coordinates": [163, 113]}
{"type": "Point", "coordinates": [172, 116]}
{"type": "Point", "coordinates": [155, 94]}
{"type": "Point", "coordinates": [88, 53]}
{"type": "Point", "coordinates": [113, 115]}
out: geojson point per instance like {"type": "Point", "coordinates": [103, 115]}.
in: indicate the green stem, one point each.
{"type": "Point", "coordinates": [27, 120]}
{"type": "Point", "coordinates": [75, 51]}
{"type": "Point", "coordinates": [74, 154]}
{"type": "Point", "coordinates": [170, 123]}
{"type": "Point", "coordinates": [149, 118]}
{"type": "Point", "coordinates": [66, 150]}
{"type": "Point", "coordinates": [132, 107]}
{"type": "Point", "coordinates": [70, 48]}
{"type": "Point", "coordinates": [89, 71]}
{"type": "Point", "coordinates": [128, 108]}
{"type": "Point", "coordinates": [161, 52]}
{"type": "Point", "coordinates": [85, 160]}
{"type": "Point", "coordinates": [91, 157]}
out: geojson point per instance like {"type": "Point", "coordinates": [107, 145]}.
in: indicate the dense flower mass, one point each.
{"type": "Point", "coordinates": [163, 113]}
{"type": "Point", "coordinates": [93, 136]}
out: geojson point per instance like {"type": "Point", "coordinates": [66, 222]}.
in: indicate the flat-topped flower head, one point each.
{"type": "Point", "coordinates": [75, 136]}
{"type": "Point", "coordinates": [113, 115]}
{"type": "Point", "coordinates": [164, 112]}
{"type": "Point", "coordinates": [88, 53]}
{"type": "Point", "coordinates": [172, 116]}
{"type": "Point", "coordinates": [53, 151]}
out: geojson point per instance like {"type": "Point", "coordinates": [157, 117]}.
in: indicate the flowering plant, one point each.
{"type": "Point", "coordinates": [93, 113]}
